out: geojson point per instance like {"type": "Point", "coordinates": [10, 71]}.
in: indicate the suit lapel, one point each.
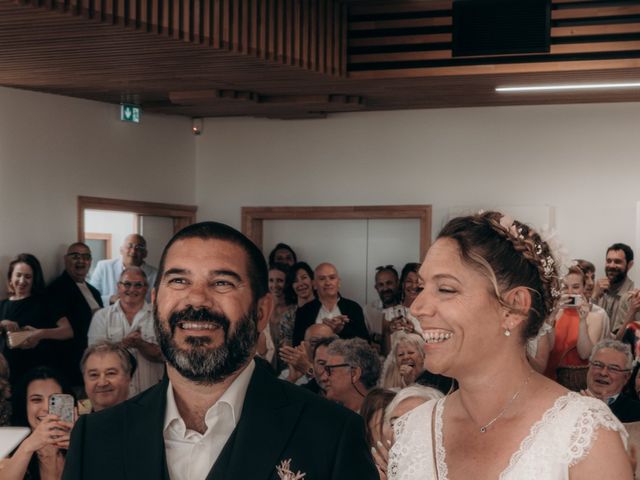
{"type": "Point", "coordinates": [144, 443]}
{"type": "Point", "coordinates": [268, 418]}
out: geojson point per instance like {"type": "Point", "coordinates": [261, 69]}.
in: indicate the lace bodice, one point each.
{"type": "Point", "coordinates": [559, 440]}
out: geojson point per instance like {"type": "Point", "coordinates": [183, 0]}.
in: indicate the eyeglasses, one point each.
{"type": "Point", "coordinates": [136, 246]}
{"type": "Point", "coordinates": [79, 256]}
{"type": "Point", "coordinates": [612, 368]}
{"type": "Point", "coordinates": [329, 368]}
{"type": "Point", "coordinates": [137, 285]}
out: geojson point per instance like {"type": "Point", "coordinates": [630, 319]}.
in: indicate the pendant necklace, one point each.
{"type": "Point", "coordinates": [484, 427]}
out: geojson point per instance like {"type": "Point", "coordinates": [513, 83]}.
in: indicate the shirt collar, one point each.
{"type": "Point", "coordinates": [233, 397]}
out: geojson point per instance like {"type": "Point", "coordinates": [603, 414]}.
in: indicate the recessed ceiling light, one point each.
{"type": "Point", "coordinates": [551, 88]}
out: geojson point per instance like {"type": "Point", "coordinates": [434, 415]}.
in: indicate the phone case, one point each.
{"type": "Point", "coordinates": [61, 404]}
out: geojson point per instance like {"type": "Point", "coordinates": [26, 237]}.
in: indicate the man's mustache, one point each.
{"type": "Point", "coordinates": [202, 315]}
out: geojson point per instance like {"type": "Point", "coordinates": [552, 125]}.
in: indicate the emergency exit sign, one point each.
{"type": "Point", "coordinates": [130, 113]}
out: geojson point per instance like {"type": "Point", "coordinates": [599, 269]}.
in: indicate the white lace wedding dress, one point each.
{"type": "Point", "coordinates": [560, 439]}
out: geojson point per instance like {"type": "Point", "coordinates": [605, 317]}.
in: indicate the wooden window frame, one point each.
{"type": "Point", "coordinates": [182, 215]}
{"type": "Point", "coordinates": [254, 217]}
{"type": "Point", "coordinates": [107, 237]}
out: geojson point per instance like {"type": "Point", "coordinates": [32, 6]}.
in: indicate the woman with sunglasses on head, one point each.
{"type": "Point", "coordinates": [26, 319]}
{"type": "Point", "coordinates": [489, 283]}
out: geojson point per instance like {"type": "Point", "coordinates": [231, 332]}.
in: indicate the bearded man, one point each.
{"type": "Point", "coordinates": [217, 414]}
{"type": "Point", "coordinates": [610, 290]}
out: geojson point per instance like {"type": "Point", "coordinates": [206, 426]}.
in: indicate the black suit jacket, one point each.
{"type": "Point", "coordinates": [307, 314]}
{"type": "Point", "coordinates": [279, 421]}
{"type": "Point", "coordinates": [627, 409]}
{"type": "Point", "coordinates": [67, 301]}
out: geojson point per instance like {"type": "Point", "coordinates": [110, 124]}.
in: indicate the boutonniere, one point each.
{"type": "Point", "coordinates": [285, 473]}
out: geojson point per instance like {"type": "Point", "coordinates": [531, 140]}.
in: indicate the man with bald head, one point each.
{"type": "Point", "coordinates": [107, 273]}
{"type": "Point", "coordinates": [344, 316]}
{"type": "Point", "coordinates": [74, 298]}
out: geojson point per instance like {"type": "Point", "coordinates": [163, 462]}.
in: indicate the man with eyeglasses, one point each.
{"type": "Point", "coordinates": [352, 368]}
{"type": "Point", "coordinates": [132, 254]}
{"type": "Point", "coordinates": [76, 299]}
{"type": "Point", "coordinates": [610, 367]}
{"type": "Point", "coordinates": [129, 321]}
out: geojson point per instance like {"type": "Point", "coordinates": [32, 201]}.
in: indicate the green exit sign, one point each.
{"type": "Point", "coordinates": [130, 113]}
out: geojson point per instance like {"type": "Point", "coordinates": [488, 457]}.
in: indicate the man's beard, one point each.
{"type": "Point", "coordinates": [202, 363]}
{"type": "Point", "coordinates": [387, 297]}
{"type": "Point", "coordinates": [616, 275]}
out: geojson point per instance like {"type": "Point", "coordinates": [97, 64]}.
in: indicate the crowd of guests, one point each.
{"type": "Point", "coordinates": [95, 339]}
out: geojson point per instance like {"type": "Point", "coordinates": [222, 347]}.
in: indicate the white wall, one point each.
{"type": "Point", "coordinates": [54, 148]}
{"type": "Point", "coordinates": [581, 160]}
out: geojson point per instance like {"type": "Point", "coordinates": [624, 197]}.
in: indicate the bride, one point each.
{"type": "Point", "coordinates": [489, 282]}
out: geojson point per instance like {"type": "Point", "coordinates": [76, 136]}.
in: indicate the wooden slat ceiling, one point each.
{"type": "Point", "coordinates": [301, 58]}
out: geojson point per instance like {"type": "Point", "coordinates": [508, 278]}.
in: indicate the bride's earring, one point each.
{"type": "Point", "coordinates": [507, 332]}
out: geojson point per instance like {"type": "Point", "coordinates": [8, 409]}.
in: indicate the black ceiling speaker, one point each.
{"type": "Point", "coordinates": [501, 27]}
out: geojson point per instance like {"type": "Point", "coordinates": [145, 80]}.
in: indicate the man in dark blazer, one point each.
{"type": "Point", "coordinates": [210, 302]}
{"type": "Point", "coordinates": [344, 316]}
{"type": "Point", "coordinates": [609, 371]}
{"type": "Point", "coordinates": [71, 296]}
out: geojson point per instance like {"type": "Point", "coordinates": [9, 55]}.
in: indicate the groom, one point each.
{"type": "Point", "coordinates": [218, 414]}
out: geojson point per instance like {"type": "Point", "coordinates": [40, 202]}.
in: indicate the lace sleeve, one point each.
{"type": "Point", "coordinates": [594, 417]}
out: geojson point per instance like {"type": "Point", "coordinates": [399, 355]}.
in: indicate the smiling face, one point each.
{"type": "Point", "coordinates": [38, 393]}
{"type": "Point", "coordinates": [410, 288]}
{"type": "Point", "coordinates": [77, 262]}
{"type": "Point", "coordinates": [205, 315]}
{"type": "Point", "coordinates": [303, 285]}
{"type": "Point", "coordinates": [387, 287]}
{"type": "Point", "coordinates": [408, 354]}
{"type": "Point", "coordinates": [133, 250]}
{"type": "Point", "coordinates": [284, 256]}
{"type": "Point", "coordinates": [276, 284]}
{"type": "Point", "coordinates": [326, 281]}
{"type": "Point", "coordinates": [604, 382]}
{"type": "Point", "coordinates": [458, 314]}
{"type": "Point", "coordinates": [573, 284]}
{"type": "Point", "coordinates": [589, 283]}
{"type": "Point", "coordinates": [616, 266]}
{"type": "Point", "coordinates": [21, 280]}
{"type": "Point", "coordinates": [132, 288]}
{"type": "Point", "coordinates": [105, 380]}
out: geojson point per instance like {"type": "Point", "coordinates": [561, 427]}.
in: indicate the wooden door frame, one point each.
{"type": "Point", "coordinates": [254, 217]}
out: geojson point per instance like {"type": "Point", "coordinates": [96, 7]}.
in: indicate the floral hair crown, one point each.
{"type": "Point", "coordinates": [550, 261]}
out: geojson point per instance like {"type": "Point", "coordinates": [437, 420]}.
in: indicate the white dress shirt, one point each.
{"type": "Point", "coordinates": [191, 455]}
{"type": "Point", "coordinates": [110, 323]}
{"type": "Point", "coordinates": [324, 313]}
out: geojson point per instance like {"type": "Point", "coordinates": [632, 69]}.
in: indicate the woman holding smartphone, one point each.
{"type": "Point", "coordinates": [578, 327]}
{"type": "Point", "coordinates": [41, 455]}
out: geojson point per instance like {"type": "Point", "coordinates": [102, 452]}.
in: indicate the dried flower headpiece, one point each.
{"type": "Point", "coordinates": [553, 263]}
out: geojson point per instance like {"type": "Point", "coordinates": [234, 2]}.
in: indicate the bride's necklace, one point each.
{"type": "Point", "coordinates": [483, 428]}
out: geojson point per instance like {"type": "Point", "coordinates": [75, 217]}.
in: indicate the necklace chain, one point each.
{"type": "Point", "coordinates": [483, 428]}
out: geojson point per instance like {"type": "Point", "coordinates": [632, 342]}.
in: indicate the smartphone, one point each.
{"type": "Point", "coordinates": [61, 404]}
{"type": "Point", "coordinates": [573, 301]}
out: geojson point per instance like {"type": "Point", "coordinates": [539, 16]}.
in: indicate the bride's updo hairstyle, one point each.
{"type": "Point", "coordinates": [509, 254]}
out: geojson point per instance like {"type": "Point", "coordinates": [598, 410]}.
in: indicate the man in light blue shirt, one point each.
{"type": "Point", "coordinates": [107, 273]}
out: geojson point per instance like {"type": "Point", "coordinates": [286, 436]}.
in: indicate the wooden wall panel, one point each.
{"type": "Point", "coordinates": [377, 47]}
{"type": "Point", "coordinates": [302, 33]}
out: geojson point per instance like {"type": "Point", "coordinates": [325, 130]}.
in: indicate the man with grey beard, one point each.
{"type": "Point", "coordinates": [217, 414]}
